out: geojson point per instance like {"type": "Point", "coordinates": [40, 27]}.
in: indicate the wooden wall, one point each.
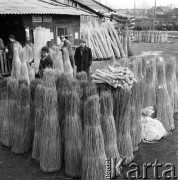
{"type": "Point", "coordinates": [71, 22]}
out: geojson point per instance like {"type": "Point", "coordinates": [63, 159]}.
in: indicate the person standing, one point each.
{"type": "Point", "coordinates": [83, 58]}
{"type": "Point", "coordinates": [45, 62]}
{"type": "Point", "coordinates": [9, 50]}
{"type": "Point", "coordinates": [68, 45]}
{"type": "Point", "coordinates": [1, 45]}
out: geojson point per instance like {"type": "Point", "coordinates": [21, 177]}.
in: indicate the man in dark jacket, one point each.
{"type": "Point", "coordinates": [45, 62]}
{"type": "Point", "coordinates": [83, 58]}
{"type": "Point", "coordinates": [68, 45]}
{"type": "Point", "coordinates": [9, 50]}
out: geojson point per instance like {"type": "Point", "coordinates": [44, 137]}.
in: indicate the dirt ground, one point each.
{"type": "Point", "coordinates": [23, 167]}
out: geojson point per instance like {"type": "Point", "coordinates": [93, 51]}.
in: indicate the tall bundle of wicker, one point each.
{"type": "Point", "coordinates": [137, 103]}
{"type": "Point", "coordinates": [49, 77]}
{"type": "Point", "coordinates": [164, 109]}
{"type": "Point", "coordinates": [72, 135]}
{"type": "Point", "coordinates": [22, 130]}
{"type": "Point", "coordinates": [50, 147]}
{"type": "Point", "coordinates": [29, 57]}
{"type": "Point", "coordinates": [16, 63]}
{"type": "Point", "coordinates": [33, 87]}
{"type": "Point", "coordinates": [108, 126]}
{"type": "Point", "coordinates": [150, 94]}
{"type": "Point", "coordinates": [39, 116]}
{"type": "Point", "coordinates": [172, 82]}
{"type": "Point", "coordinates": [81, 76]}
{"type": "Point", "coordinates": [9, 112]}
{"type": "Point", "coordinates": [58, 61]}
{"type": "Point", "coordinates": [24, 70]}
{"type": "Point", "coordinates": [121, 114]}
{"type": "Point", "coordinates": [66, 62]}
{"type": "Point", "coordinates": [93, 161]}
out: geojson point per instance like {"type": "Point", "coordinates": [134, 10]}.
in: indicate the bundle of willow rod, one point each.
{"type": "Point", "coordinates": [33, 86]}
{"type": "Point", "coordinates": [49, 77]}
{"type": "Point", "coordinates": [39, 116]}
{"type": "Point", "coordinates": [93, 161]}
{"type": "Point", "coordinates": [122, 106]}
{"type": "Point", "coordinates": [108, 126]}
{"type": "Point", "coordinates": [171, 82]}
{"type": "Point", "coordinates": [81, 76]}
{"type": "Point", "coordinates": [137, 103]}
{"type": "Point", "coordinates": [9, 112]}
{"type": "Point", "coordinates": [65, 84]}
{"type": "Point", "coordinates": [151, 36]}
{"type": "Point", "coordinates": [164, 109]}
{"type": "Point", "coordinates": [22, 130]}
{"type": "Point", "coordinates": [150, 94]}
{"type": "Point", "coordinates": [50, 146]}
{"type": "Point", "coordinates": [72, 135]}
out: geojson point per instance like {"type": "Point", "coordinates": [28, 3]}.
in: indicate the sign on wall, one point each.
{"type": "Point", "coordinates": [47, 18]}
{"type": "Point", "coordinates": [36, 19]}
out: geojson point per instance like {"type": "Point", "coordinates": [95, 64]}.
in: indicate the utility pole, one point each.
{"type": "Point", "coordinates": [134, 7]}
{"type": "Point", "coordinates": [154, 16]}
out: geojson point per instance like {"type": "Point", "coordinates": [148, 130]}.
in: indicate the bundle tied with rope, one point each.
{"type": "Point", "coordinates": [164, 109]}
{"type": "Point", "coordinates": [136, 105]}
{"type": "Point", "coordinates": [50, 146]}
{"type": "Point", "coordinates": [9, 112]}
{"type": "Point", "coordinates": [93, 160]}
{"type": "Point", "coordinates": [122, 106]}
{"type": "Point", "coordinates": [171, 81]}
{"type": "Point", "coordinates": [39, 116]}
{"type": "Point", "coordinates": [109, 127]}
{"type": "Point", "coordinates": [22, 130]}
{"type": "Point", "coordinates": [72, 135]}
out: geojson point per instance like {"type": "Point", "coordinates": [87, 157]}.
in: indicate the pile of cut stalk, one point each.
{"type": "Point", "coordinates": [104, 41]}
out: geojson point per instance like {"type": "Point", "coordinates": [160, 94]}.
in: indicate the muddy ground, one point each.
{"type": "Point", "coordinates": [23, 167]}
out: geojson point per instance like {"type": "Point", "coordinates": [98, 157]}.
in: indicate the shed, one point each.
{"type": "Point", "coordinates": [16, 16]}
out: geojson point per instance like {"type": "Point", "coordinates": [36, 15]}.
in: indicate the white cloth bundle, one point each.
{"type": "Point", "coordinates": [152, 129]}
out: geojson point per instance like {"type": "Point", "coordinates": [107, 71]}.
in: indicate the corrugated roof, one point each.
{"type": "Point", "coordinates": [38, 7]}
{"type": "Point", "coordinates": [95, 5]}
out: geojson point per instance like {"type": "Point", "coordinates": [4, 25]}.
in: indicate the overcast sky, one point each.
{"type": "Point", "coordinates": [122, 4]}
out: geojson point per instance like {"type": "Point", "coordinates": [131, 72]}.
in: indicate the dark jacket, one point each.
{"type": "Point", "coordinates": [83, 58]}
{"type": "Point", "coordinates": [47, 63]}
{"type": "Point", "coordinates": [1, 44]}
{"type": "Point", "coordinates": [68, 46]}
{"type": "Point", "coordinates": [10, 47]}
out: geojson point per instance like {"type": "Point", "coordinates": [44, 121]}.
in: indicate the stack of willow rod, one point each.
{"type": "Point", "coordinates": [51, 145]}
{"type": "Point", "coordinates": [151, 36]}
{"type": "Point", "coordinates": [171, 81]}
{"type": "Point", "coordinates": [164, 109]}
{"type": "Point", "coordinates": [72, 135]}
{"type": "Point", "coordinates": [109, 127]}
{"type": "Point", "coordinates": [150, 94]}
{"type": "Point", "coordinates": [39, 116]}
{"type": "Point", "coordinates": [122, 107]}
{"type": "Point", "coordinates": [9, 112]}
{"type": "Point", "coordinates": [81, 76]}
{"type": "Point", "coordinates": [93, 161]}
{"type": "Point", "coordinates": [104, 41]}
{"type": "Point", "coordinates": [22, 130]}
{"type": "Point", "coordinates": [137, 103]}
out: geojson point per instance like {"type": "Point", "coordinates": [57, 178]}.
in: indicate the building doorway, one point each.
{"type": "Point", "coordinates": [12, 24]}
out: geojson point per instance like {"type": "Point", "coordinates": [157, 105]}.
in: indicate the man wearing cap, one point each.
{"type": "Point", "coordinates": [83, 58]}
{"type": "Point", "coordinates": [67, 45]}
{"type": "Point", "coordinates": [45, 62]}
{"type": "Point", "coordinates": [9, 50]}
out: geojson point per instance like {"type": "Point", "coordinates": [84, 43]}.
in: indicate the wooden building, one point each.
{"type": "Point", "coordinates": [21, 17]}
